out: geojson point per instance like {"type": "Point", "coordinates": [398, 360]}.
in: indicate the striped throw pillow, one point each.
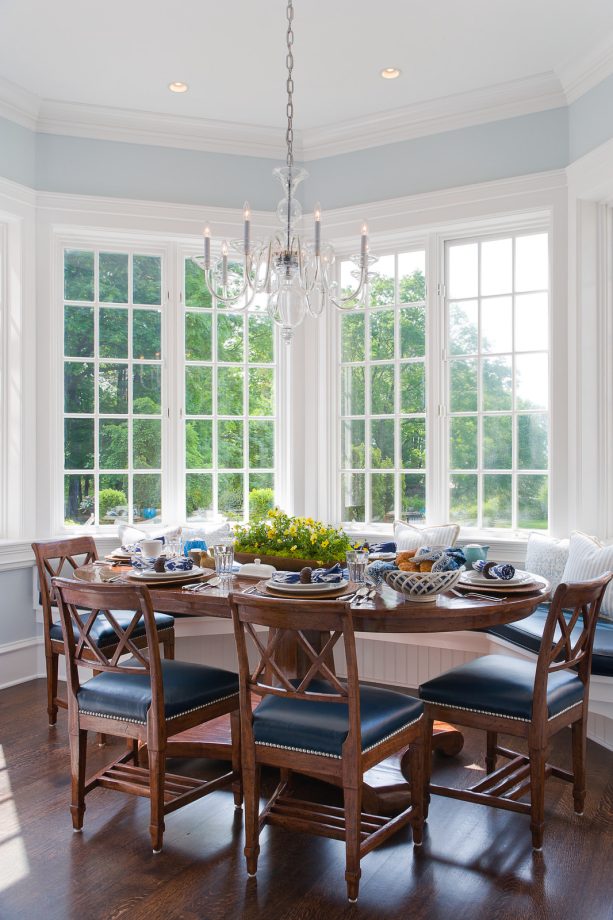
{"type": "Point", "coordinates": [408, 536]}
{"type": "Point", "coordinates": [587, 559]}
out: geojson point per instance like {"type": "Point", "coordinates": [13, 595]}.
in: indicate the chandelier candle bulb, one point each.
{"type": "Point", "coordinates": [207, 247]}
{"type": "Point", "coordinates": [247, 229]}
{"type": "Point", "coordinates": [364, 250]}
{"type": "Point", "coordinates": [224, 264]}
{"type": "Point", "coordinates": [317, 229]}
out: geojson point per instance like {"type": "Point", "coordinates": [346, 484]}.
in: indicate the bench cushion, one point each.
{"type": "Point", "coordinates": [501, 685]}
{"type": "Point", "coordinates": [102, 633]}
{"type": "Point", "coordinates": [187, 687]}
{"type": "Point", "coordinates": [527, 634]}
{"type": "Point", "coordinates": [321, 728]}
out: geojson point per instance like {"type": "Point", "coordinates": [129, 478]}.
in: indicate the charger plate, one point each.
{"type": "Point", "coordinates": [333, 591]}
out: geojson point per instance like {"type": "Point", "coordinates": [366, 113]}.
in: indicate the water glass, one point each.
{"type": "Point", "coordinates": [224, 559]}
{"type": "Point", "coordinates": [173, 546]}
{"type": "Point", "coordinates": [357, 560]}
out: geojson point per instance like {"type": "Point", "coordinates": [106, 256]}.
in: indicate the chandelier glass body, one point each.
{"type": "Point", "coordinates": [295, 275]}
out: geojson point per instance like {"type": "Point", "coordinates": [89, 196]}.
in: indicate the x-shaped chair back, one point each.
{"type": "Point", "coordinates": [57, 558]}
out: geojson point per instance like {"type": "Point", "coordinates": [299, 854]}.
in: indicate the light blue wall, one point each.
{"type": "Point", "coordinates": [590, 119]}
{"type": "Point", "coordinates": [17, 617]}
{"type": "Point", "coordinates": [17, 153]}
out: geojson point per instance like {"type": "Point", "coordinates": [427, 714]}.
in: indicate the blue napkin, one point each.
{"type": "Point", "coordinates": [376, 548]}
{"type": "Point", "coordinates": [179, 564]}
{"type": "Point", "coordinates": [333, 575]}
{"type": "Point", "coordinates": [504, 570]}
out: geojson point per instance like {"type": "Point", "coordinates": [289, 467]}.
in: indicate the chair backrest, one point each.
{"type": "Point", "coordinates": [80, 603]}
{"type": "Point", "coordinates": [53, 559]}
{"type": "Point", "coordinates": [581, 602]}
{"type": "Point", "coordinates": [297, 622]}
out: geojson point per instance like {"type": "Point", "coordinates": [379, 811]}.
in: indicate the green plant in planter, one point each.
{"type": "Point", "coordinates": [292, 537]}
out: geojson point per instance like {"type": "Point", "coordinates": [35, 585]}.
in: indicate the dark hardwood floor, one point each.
{"type": "Point", "coordinates": [475, 863]}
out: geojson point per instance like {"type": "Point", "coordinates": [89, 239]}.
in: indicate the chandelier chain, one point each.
{"type": "Point", "coordinates": [289, 62]}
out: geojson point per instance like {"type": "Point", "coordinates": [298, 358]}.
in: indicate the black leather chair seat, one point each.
{"type": "Point", "coordinates": [321, 728]}
{"type": "Point", "coordinates": [501, 685]}
{"type": "Point", "coordinates": [128, 696]}
{"type": "Point", "coordinates": [527, 634]}
{"type": "Point", "coordinates": [102, 633]}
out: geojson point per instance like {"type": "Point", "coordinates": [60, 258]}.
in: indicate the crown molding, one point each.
{"type": "Point", "coordinates": [18, 105]}
{"type": "Point", "coordinates": [586, 71]}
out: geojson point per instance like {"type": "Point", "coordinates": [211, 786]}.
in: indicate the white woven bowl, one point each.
{"type": "Point", "coordinates": [422, 587]}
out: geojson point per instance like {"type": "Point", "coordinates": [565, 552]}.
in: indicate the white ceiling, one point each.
{"type": "Point", "coordinates": [123, 53]}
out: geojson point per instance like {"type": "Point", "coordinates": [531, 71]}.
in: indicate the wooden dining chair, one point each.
{"type": "Point", "coordinates": [144, 698]}
{"type": "Point", "coordinates": [318, 725]}
{"type": "Point", "coordinates": [531, 700]}
{"type": "Point", "coordinates": [61, 557]}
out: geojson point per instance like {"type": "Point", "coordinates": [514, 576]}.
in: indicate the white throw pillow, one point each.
{"type": "Point", "coordinates": [210, 533]}
{"type": "Point", "coordinates": [587, 559]}
{"type": "Point", "coordinates": [129, 534]}
{"type": "Point", "coordinates": [408, 536]}
{"type": "Point", "coordinates": [547, 557]}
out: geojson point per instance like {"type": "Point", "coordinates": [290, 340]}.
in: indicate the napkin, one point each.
{"type": "Point", "coordinates": [503, 570]}
{"type": "Point", "coordinates": [333, 575]}
{"type": "Point", "coordinates": [179, 564]}
{"type": "Point", "coordinates": [375, 548]}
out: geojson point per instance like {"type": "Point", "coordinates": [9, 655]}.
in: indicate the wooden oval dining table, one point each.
{"type": "Point", "coordinates": [385, 788]}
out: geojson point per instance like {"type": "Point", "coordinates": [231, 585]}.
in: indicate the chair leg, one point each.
{"type": "Point", "coordinates": [538, 759]}
{"type": "Point", "coordinates": [428, 727]}
{"type": "Point", "coordinates": [100, 738]}
{"type": "Point", "coordinates": [490, 755]}
{"type": "Point", "coordinates": [157, 773]}
{"type": "Point", "coordinates": [168, 644]}
{"type": "Point", "coordinates": [251, 783]}
{"type": "Point", "coordinates": [78, 760]}
{"type": "Point", "coordinates": [52, 668]}
{"type": "Point", "coordinates": [578, 742]}
{"type": "Point", "coordinates": [235, 732]}
{"type": "Point", "coordinates": [133, 747]}
{"type": "Point", "coordinates": [353, 822]}
{"type": "Point", "coordinates": [417, 768]}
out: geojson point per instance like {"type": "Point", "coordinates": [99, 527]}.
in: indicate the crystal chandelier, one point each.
{"type": "Point", "coordinates": [295, 275]}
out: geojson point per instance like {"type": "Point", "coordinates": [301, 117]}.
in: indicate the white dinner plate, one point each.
{"type": "Point", "coordinates": [476, 578]}
{"type": "Point", "coordinates": [382, 557]}
{"type": "Point", "coordinates": [166, 576]}
{"type": "Point", "coordinates": [317, 587]}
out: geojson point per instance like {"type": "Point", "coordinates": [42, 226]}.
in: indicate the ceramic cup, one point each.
{"type": "Point", "coordinates": [473, 552]}
{"type": "Point", "coordinates": [151, 548]}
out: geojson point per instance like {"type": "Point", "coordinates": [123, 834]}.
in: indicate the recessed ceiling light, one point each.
{"type": "Point", "coordinates": [390, 73]}
{"type": "Point", "coordinates": [178, 87]}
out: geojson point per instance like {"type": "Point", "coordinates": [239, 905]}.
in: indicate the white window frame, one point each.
{"type": "Point", "coordinates": [4, 432]}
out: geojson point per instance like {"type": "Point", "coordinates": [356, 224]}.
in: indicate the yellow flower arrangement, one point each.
{"type": "Point", "coordinates": [292, 537]}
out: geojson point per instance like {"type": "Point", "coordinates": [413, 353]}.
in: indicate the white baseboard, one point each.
{"type": "Point", "coordinates": [21, 661]}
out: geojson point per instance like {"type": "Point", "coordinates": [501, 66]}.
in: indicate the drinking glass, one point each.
{"type": "Point", "coordinates": [357, 560]}
{"type": "Point", "coordinates": [224, 559]}
{"type": "Point", "coordinates": [173, 546]}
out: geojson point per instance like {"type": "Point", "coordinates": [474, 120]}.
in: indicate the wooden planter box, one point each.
{"type": "Point", "coordinates": [284, 563]}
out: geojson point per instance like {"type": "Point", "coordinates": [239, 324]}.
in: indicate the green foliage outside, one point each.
{"type": "Point", "coordinates": [108, 499]}
{"type": "Point", "coordinates": [261, 501]}
{"type": "Point", "coordinates": [293, 538]}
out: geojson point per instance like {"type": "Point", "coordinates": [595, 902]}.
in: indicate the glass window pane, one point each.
{"type": "Point", "coordinates": [230, 496]}
{"type": "Point", "coordinates": [413, 497]}
{"type": "Point", "coordinates": [147, 389]}
{"type": "Point", "coordinates": [382, 443]}
{"type": "Point", "coordinates": [78, 275]}
{"type": "Point", "coordinates": [532, 381]}
{"type": "Point", "coordinates": [412, 276]}
{"type": "Point", "coordinates": [412, 332]}
{"type": "Point", "coordinates": [497, 384]}
{"type": "Point", "coordinates": [532, 499]}
{"type": "Point", "coordinates": [230, 444]}
{"type": "Point", "coordinates": [533, 442]}
{"type": "Point", "coordinates": [261, 495]}
{"type": "Point", "coordinates": [413, 443]}
{"type": "Point", "coordinates": [349, 281]}
{"type": "Point", "coordinates": [531, 322]}
{"type": "Point", "coordinates": [198, 444]}
{"type": "Point", "coordinates": [147, 281]}
{"type": "Point", "coordinates": [382, 284]}
{"type": "Point", "coordinates": [78, 386]}
{"type": "Point", "coordinates": [497, 442]}
{"type": "Point", "coordinates": [463, 499]}
{"type": "Point", "coordinates": [79, 332]}
{"type": "Point", "coordinates": [198, 336]}
{"type": "Point", "coordinates": [382, 389]}
{"type": "Point", "coordinates": [532, 262]}
{"type": "Point", "coordinates": [463, 385]}
{"type": "Point", "coordinates": [463, 443]}
{"type": "Point", "coordinates": [113, 333]}
{"type": "Point", "coordinates": [113, 437]}
{"type": "Point", "coordinates": [147, 496]}
{"type": "Point", "coordinates": [353, 444]}
{"type": "Point", "coordinates": [352, 391]}
{"type": "Point", "coordinates": [196, 291]}
{"type": "Point", "coordinates": [147, 444]}
{"type": "Point", "coordinates": [497, 324]}
{"type": "Point", "coordinates": [353, 507]}
{"type": "Point", "coordinates": [497, 501]}
{"type": "Point", "coordinates": [113, 388]}
{"type": "Point", "coordinates": [261, 391]}
{"type": "Point", "coordinates": [463, 271]}
{"type": "Point", "coordinates": [496, 266]}
{"type": "Point", "coordinates": [79, 500]}
{"type": "Point", "coordinates": [352, 337]}
{"type": "Point", "coordinates": [230, 382]}
{"type": "Point", "coordinates": [147, 334]}
{"type": "Point", "coordinates": [464, 328]}
{"type": "Point", "coordinates": [113, 281]}
{"type": "Point", "coordinates": [261, 339]}
{"type": "Point", "coordinates": [79, 443]}
{"type": "Point", "coordinates": [113, 498]}
{"type": "Point", "coordinates": [199, 390]}
{"type": "Point", "coordinates": [413, 387]}
{"type": "Point", "coordinates": [382, 497]}
{"type": "Point", "coordinates": [261, 445]}
{"type": "Point", "coordinates": [229, 337]}
{"type": "Point", "coordinates": [382, 334]}
{"type": "Point", "coordinates": [198, 495]}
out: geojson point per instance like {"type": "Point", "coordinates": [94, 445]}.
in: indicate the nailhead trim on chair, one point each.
{"type": "Point", "coordinates": [501, 715]}
{"type": "Point", "coordinates": [286, 747]}
{"type": "Point", "coordinates": [105, 715]}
